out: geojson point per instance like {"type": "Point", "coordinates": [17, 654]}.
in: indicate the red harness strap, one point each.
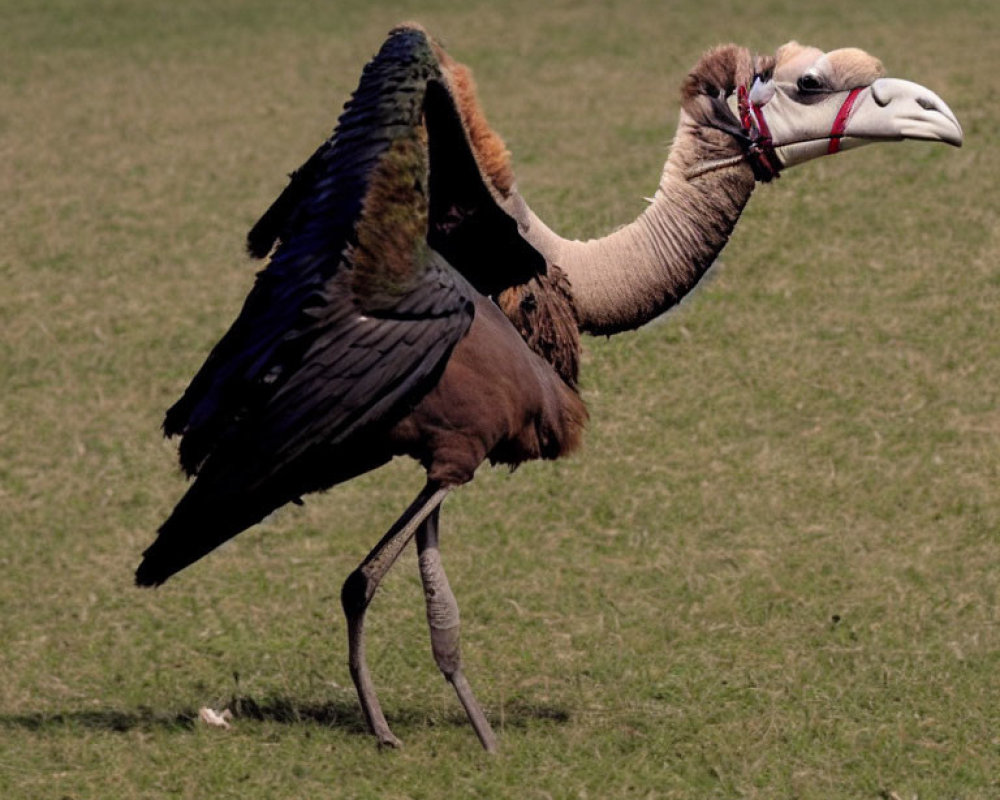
{"type": "Point", "coordinates": [840, 123]}
{"type": "Point", "coordinates": [765, 162]}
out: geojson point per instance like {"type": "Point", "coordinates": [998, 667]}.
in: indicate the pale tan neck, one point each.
{"type": "Point", "coordinates": [633, 275]}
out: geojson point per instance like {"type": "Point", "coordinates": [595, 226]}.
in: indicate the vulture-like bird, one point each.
{"type": "Point", "coordinates": [414, 304]}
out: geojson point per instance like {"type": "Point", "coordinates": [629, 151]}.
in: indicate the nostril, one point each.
{"type": "Point", "coordinates": [926, 105]}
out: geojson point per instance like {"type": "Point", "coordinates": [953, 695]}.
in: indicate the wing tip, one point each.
{"type": "Point", "coordinates": [148, 575]}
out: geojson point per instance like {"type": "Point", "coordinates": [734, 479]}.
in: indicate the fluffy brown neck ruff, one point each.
{"type": "Point", "coordinates": [541, 309]}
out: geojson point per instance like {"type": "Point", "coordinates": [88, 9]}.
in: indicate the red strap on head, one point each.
{"type": "Point", "coordinates": [765, 162]}
{"type": "Point", "coordinates": [840, 123]}
{"type": "Point", "coordinates": [743, 98]}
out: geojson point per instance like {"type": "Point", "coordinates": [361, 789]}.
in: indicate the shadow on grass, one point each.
{"type": "Point", "coordinates": [347, 715]}
{"type": "Point", "coordinates": [343, 715]}
{"type": "Point", "coordinates": [333, 714]}
{"type": "Point", "coordinates": [100, 720]}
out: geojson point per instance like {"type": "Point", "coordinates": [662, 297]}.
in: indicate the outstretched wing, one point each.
{"type": "Point", "coordinates": [469, 170]}
{"type": "Point", "coordinates": [351, 322]}
{"type": "Point", "coordinates": [315, 221]}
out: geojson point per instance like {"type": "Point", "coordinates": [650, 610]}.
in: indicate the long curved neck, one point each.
{"type": "Point", "coordinates": [633, 275]}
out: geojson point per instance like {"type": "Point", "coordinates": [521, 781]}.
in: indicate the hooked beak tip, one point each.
{"type": "Point", "coordinates": [918, 112]}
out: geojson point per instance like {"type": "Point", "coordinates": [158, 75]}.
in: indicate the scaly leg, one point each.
{"type": "Point", "coordinates": [357, 593]}
{"type": "Point", "coordinates": [442, 617]}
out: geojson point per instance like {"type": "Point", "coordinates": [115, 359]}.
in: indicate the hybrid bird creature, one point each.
{"type": "Point", "coordinates": [415, 305]}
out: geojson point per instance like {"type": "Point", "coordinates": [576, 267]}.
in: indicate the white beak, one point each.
{"type": "Point", "coordinates": [888, 110]}
{"type": "Point", "coordinates": [895, 109]}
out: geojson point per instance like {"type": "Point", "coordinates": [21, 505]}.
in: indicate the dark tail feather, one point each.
{"type": "Point", "coordinates": [204, 519]}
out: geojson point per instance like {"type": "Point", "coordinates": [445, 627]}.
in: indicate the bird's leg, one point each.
{"type": "Point", "coordinates": [442, 617]}
{"type": "Point", "coordinates": [357, 593]}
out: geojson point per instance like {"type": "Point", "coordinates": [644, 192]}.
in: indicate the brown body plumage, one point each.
{"type": "Point", "coordinates": [496, 400]}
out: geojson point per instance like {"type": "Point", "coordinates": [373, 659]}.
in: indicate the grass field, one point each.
{"type": "Point", "coordinates": [772, 571]}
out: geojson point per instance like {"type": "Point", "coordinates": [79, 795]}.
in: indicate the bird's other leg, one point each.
{"type": "Point", "coordinates": [357, 593]}
{"type": "Point", "coordinates": [442, 617]}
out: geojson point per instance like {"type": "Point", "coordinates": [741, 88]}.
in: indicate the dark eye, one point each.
{"type": "Point", "coordinates": [810, 83]}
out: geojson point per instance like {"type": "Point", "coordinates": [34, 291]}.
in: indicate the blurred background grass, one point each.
{"type": "Point", "coordinates": [770, 573]}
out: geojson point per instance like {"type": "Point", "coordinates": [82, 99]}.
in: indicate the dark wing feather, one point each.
{"type": "Point", "coordinates": [270, 227]}
{"type": "Point", "coordinates": [318, 212]}
{"type": "Point", "coordinates": [324, 424]}
{"type": "Point", "coordinates": [467, 225]}
{"type": "Point", "coordinates": [350, 324]}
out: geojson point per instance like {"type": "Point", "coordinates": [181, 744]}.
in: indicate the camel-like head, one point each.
{"type": "Point", "coordinates": [817, 103]}
{"type": "Point", "coordinates": [803, 103]}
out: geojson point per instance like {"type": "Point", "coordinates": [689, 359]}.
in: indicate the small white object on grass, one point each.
{"type": "Point", "coordinates": [215, 719]}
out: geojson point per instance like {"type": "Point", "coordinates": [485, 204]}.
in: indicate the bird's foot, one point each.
{"type": "Point", "coordinates": [387, 739]}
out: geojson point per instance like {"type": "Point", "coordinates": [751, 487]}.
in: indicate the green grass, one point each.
{"type": "Point", "coordinates": [772, 571]}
